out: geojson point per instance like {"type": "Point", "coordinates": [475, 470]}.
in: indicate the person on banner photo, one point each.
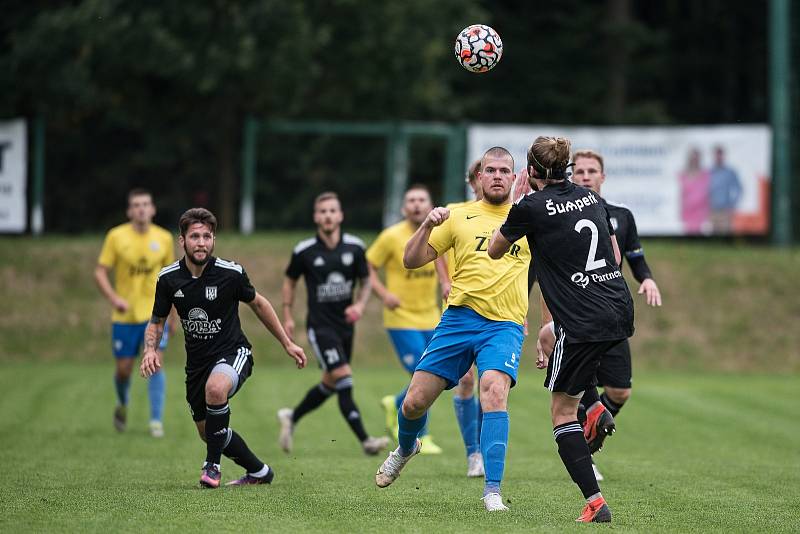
{"type": "Point", "coordinates": [695, 208]}
{"type": "Point", "coordinates": [725, 192]}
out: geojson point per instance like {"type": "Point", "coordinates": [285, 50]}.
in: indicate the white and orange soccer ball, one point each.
{"type": "Point", "coordinates": [478, 48]}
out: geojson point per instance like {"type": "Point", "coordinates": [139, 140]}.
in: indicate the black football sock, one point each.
{"type": "Point", "coordinates": [313, 400]}
{"type": "Point", "coordinates": [344, 388]}
{"type": "Point", "coordinates": [610, 405]}
{"type": "Point", "coordinates": [590, 396]}
{"type": "Point", "coordinates": [238, 451]}
{"type": "Point", "coordinates": [574, 453]}
{"type": "Point", "coordinates": [217, 418]}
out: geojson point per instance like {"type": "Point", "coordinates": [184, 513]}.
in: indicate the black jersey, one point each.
{"type": "Point", "coordinates": [569, 232]}
{"type": "Point", "coordinates": [628, 239]}
{"type": "Point", "coordinates": [208, 307]}
{"type": "Point", "coordinates": [330, 275]}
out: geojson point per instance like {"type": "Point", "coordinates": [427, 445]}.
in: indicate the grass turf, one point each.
{"type": "Point", "coordinates": [694, 452]}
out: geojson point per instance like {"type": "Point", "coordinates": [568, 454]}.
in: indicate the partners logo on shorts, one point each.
{"type": "Point", "coordinates": [198, 326]}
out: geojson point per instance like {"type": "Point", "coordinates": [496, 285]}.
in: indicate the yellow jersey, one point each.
{"type": "Point", "coordinates": [496, 289]}
{"type": "Point", "coordinates": [450, 257]}
{"type": "Point", "coordinates": [416, 288]}
{"type": "Point", "coordinates": [136, 258]}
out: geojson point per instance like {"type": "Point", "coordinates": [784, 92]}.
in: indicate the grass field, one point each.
{"type": "Point", "coordinates": [709, 441]}
{"type": "Point", "coordinates": [713, 452]}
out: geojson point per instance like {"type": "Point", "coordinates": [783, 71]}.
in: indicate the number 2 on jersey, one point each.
{"type": "Point", "coordinates": [591, 262]}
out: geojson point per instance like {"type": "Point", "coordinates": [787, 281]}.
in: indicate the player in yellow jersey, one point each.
{"type": "Point", "coordinates": [483, 323]}
{"type": "Point", "coordinates": [410, 304]}
{"type": "Point", "coordinates": [134, 252]}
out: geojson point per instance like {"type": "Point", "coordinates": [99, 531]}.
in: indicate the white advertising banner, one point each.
{"type": "Point", "coordinates": [699, 180]}
{"type": "Point", "coordinates": [13, 176]}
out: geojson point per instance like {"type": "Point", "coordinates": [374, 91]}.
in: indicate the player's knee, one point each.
{"type": "Point", "coordinates": [466, 386]}
{"type": "Point", "coordinates": [216, 392]}
{"type": "Point", "coordinates": [413, 406]}
{"type": "Point", "coordinates": [618, 395]}
{"type": "Point", "coordinates": [494, 394]}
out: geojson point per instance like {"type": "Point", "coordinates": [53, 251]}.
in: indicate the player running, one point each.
{"type": "Point", "coordinates": [410, 304]}
{"type": "Point", "coordinates": [577, 263]}
{"type": "Point", "coordinates": [135, 252]}
{"type": "Point", "coordinates": [597, 413]}
{"type": "Point", "coordinates": [206, 292]}
{"type": "Point", "coordinates": [482, 324]}
{"type": "Point", "coordinates": [331, 263]}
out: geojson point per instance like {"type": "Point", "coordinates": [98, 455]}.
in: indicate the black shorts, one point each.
{"type": "Point", "coordinates": [238, 364]}
{"type": "Point", "coordinates": [615, 367]}
{"type": "Point", "coordinates": [332, 348]}
{"type": "Point", "coordinates": [573, 366]}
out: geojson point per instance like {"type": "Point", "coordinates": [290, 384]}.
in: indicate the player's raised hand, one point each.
{"type": "Point", "coordinates": [151, 363]}
{"type": "Point", "coordinates": [650, 290]}
{"type": "Point", "coordinates": [296, 353]}
{"type": "Point", "coordinates": [437, 216]}
{"type": "Point", "coordinates": [521, 187]}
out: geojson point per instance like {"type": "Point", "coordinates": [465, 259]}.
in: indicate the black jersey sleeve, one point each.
{"type": "Point", "coordinates": [608, 215]}
{"type": "Point", "coordinates": [362, 269]}
{"type": "Point", "coordinates": [163, 301]}
{"type": "Point", "coordinates": [295, 267]}
{"type": "Point", "coordinates": [635, 252]}
{"type": "Point", "coordinates": [246, 291]}
{"type": "Point", "coordinates": [518, 222]}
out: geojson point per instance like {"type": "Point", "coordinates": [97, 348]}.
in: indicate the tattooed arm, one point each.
{"type": "Point", "coordinates": [151, 362]}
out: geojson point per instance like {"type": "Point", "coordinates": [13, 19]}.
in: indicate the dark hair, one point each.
{"type": "Point", "coordinates": [197, 215]}
{"type": "Point", "coordinates": [138, 192]}
{"type": "Point", "coordinates": [421, 187]}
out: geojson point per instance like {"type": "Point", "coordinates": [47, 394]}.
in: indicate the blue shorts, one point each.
{"type": "Point", "coordinates": [409, 345]}
{"type": "Point", "coordinates": [464, 337]}
{"type": "Point", "coordinates": [127, 339]}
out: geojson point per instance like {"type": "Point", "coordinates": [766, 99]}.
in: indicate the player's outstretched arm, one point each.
{"type": "Point", "coordinates": [287, 292]}
{"type": "Point", "coordinates": [418, 251]}
{"type": "Point", "coordinates": [649, 289]}
{"type": "Point", "coordinates": [151, 359]}
{"type": "Point", "coordinates": [498, 245]}
{"type": "Point", "coordinates": [266, 314]}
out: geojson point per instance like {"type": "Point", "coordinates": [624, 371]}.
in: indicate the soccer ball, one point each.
{"type": "Point", "coordinates": [478, 48]}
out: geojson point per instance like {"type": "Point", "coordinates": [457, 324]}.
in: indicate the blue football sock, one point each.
{"type": "Point", "coordinates": [398, 403]}
{"type": "Point", "coordinates": [494, 441]}
{"type": "Point", "coordinates": [467, 417]}
{"type": "Point", "coordinates": [156, 390]}
{"type": "Point", "coordinates": [409, 430]}
{"type": "Point", "coordinates": [122, 387]}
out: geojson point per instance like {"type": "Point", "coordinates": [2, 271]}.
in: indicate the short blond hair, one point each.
{"type": "Point", "coordinates": [590, 154]}
{"type": "Point", "coordinates": [327, 195]}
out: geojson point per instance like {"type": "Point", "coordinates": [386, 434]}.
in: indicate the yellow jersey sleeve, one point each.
{"type": "Point", "coordinates": [378, 253]}
{"type": "Point", "coordinates": [108, 254]}
{"type": "Point", "coordinates": [441, 238]}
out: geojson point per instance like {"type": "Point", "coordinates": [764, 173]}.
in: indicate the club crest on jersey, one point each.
{"type": "Point", "coordinates": [154, 246]}
{"type": "Point", "coordinates": [211, 292]}
{"type": "Point", "coordinates": [347, 258]}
